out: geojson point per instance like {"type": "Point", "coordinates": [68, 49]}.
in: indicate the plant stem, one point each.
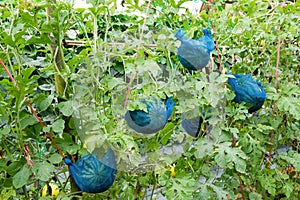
{"type": "Point", "coordinates": [239, 175]}
{"type": "Point", "coordinates": [277, 64]}
{"type": "Point", "coordinates": [106, 33]}
{"type": "Point", "coordinates": [276, 87]}
{"type": "Point", "coordinates": [59, 65]}
{"type": "Point", "coordinates": [137, 187]}
{"type": "Point", "coordinates": [217, 48]}
{"type": "Point", "coordinates": [153, 189]}
{"type": "Point", "coordinates": [241, 185]}
{"type": "Point", "coordinates": [95, 34]}
{"type": "Point", "coordinates": [32, 109]}
{"type": "Point", "coordinates": [6, 148]}
{"type": "Point", "coordinates": [271, 146]}
{"type": "Point", "coordinates": [215, 37]}
{"type": "Point", "coordinates": [136, 57]}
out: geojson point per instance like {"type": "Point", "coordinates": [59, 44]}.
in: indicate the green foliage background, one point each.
{"type": "Point", "coordinates": [97, 76]}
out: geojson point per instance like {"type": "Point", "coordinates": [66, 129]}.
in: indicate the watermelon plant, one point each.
{"type": "Point", "coordinates": [68, 76]}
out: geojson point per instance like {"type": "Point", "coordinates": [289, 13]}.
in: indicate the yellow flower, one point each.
{"type": "Point", "coordinates": [172, 170]}
{"type": "Point", "coordinates": [50, 189]}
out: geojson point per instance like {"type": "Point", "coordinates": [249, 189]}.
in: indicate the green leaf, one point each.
{"type": "Point", "coordinates": [55, 158]}
{"type": "Point", "coordinates": [8, 193]}
{"type": "Point", "coordinates": [27, 72]}
{"type": "Point", "coordinates": [43, 39]}
{"type": "Point", "coordinates": [255, 196]}
{"type": "Point", "coordinates": [58, 126]}
{"type": "Point", "coordinates": [204, 193]}
{"type": "Point", "coordinates": [5, 131]}
{"type": "Point", "coordinates": [113, 82]}
{"type": "Point", "coordinates": [166, 133]}
{"type": "Point", "coordinates": [288, 188]}
{"type": "Point", "coordinates": [43, 170]}
{"type": "Point", "coordinates": [234, 130]}
{"type": "Point", "coordinates": [221, 159]}
{"type": "Point", "coordinates": [291, 105]}
{"type": "Point", "coordinates": [200, 85]}
{"type": "Point", "coordinates": [268, 182]}
{"type": "Point", "coordinates": [15, 166]}
{"type": "Point", "coordinates": [293, 158]}
{"type": "Point", "coordinates": [3, 163]}
{"type": "Point", "coordinates": [161, 37]}
{"type": "Point", "coordinates": [220, 193]}
{"type": "Point", "coordinates": [29, 120]}
{"type": "Point", "coordinates": [153, 144]}
{"type": "Point", "coordinates": [46, 102]}
{"type": "Point", "coordinates": [8, 39]}
{"type": "Point", "coordinates": [20, 179]}
{"type": "Point", "coordinates": [66, 108]}
{"type": "Point", "coordinates": [150, 66]}
{"type": "Point", "coordinates": [203, 147]}
{"type": "Point", "coordinates": [182, 188]}
{"type": "Point", "coordinates": [229, 154]}
{"type": "Point", "coordinates": [28, 18]}
{"type": "Point", "coordinates": [46, 128]}
{"type": "Point", "coordinates": [164, 179]}
{"type": "Point", "coordinates": [264, 128]}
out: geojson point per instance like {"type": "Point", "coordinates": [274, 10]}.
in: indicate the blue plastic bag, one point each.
{"type": "Point", "coordinates": [195, 54]}
{"type": "Point", "coordinates": [192, 126]}
{"type": "Point", "coordinates": [156, 117]}
{"type": "Point", "coordinates": [93, 175]}
{"type": "Point", "coordinates": [192, 121]}
{"type": "Point", "coordinates": [247, 90]}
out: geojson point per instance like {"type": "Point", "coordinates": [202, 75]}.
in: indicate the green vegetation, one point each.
{"type": "Point", "coordinates": [77, 84]}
